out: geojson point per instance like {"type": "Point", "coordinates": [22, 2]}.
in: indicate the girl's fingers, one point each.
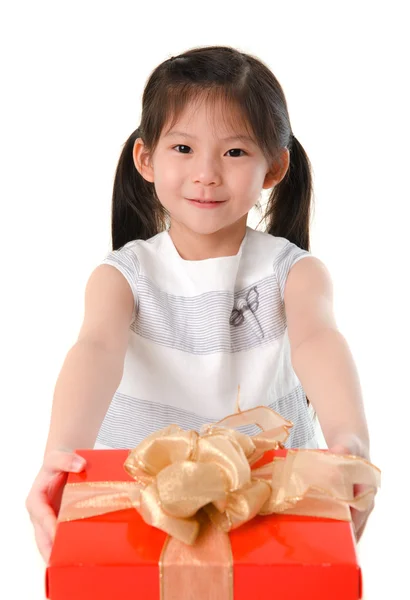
{"type": "Point", "coordinates": [42, 515]}
{"type": "Point", "coordinates": [53, 474]}
{"type": "Point", "coordinates": [360, 529]}
{"type": "Point", "coordinates": [360, 517]}
{"type": "Point", "coordinates": [43, 542]}
{"type": "Point", "coordinates": [43, 501]}
{"type": "Point", "coordinates": [339, 449]}
{"type": "Point", "coordinates": [60, 460]}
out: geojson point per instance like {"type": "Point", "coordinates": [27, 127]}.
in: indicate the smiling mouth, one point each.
{"type": "Point", "coordinates": [205, 201]}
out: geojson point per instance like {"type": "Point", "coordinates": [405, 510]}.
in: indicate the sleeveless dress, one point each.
{"type": "Point", "coordinates": [201, 328]}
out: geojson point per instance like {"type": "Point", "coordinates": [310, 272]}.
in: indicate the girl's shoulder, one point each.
{"type": "Point", "coordinates": [154, 242]}
{"type": "Point", "coordinates": [136, 257]}
{"type": "Point", "coordinates": [268, 245]}
{"type": "Point", "coordinates": [269, 255]}
{"type": "Point", "coordinates": [137, 249]}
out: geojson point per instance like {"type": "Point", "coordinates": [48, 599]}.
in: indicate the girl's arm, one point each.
{"type": "Point", "coordinates": [93, 367]}
{"type": "Point", "coordinates": [322, 359]}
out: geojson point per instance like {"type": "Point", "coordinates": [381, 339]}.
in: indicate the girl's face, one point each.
{"type": "Point", "coordinates": [196, 160]}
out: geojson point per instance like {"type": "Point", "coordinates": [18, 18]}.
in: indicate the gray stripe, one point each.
{"type": "Point", "coordinates": [129, 420]}
{"type": "Point", "coordinates": [284, 261]}
{"type": "Point", "coordinates": [201, 324]}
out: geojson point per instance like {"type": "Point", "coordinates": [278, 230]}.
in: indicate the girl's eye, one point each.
{"type": "Point", "coordinates": [232, 150]}
{"type": "Point", "coordinates": [181, 146]}
{"type": "Point", "coordinates": [236, 150]}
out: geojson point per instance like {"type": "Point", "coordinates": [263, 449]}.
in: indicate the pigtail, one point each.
{"type": "Point", "coordinates": [136, 211]}
{"type": "Point", "coordinates": [288, 209]}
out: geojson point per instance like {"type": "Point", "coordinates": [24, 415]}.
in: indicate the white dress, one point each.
{"type": "Point", "coordinates": [200, 329]}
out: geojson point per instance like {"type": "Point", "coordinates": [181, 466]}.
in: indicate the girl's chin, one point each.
{"type": "Point", "coordinates": [201, 229]}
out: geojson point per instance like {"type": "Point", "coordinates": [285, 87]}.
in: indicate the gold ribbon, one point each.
{"type": "Point", "coordinates": [179, 475]}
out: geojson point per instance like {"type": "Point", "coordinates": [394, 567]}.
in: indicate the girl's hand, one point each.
{"type": "Point", "coordinates": [352, 445]}
{"type": "Point", "coordinates": [44, 499]}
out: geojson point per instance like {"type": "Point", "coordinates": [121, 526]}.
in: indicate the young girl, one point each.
{"type": "Point", "coordinates": [191, 302]}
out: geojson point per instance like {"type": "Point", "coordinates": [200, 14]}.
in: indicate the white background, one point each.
{"type": "Point", "coordinates": [72, 78]}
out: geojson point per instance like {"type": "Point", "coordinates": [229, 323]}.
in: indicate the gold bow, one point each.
{"type": "Point", "coordinates": [180, 475]}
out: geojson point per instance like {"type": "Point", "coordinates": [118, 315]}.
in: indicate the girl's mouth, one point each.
{"type": "Point", "coordinates": [205, 203]}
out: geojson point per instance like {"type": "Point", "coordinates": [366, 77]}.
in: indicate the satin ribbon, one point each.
{"type": "Point", "coordinates": [179, 475]}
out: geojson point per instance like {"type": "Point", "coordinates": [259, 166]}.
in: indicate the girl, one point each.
{"type": "Point", "coordinates": [191, 302]}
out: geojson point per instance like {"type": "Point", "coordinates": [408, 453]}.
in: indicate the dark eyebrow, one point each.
{"type": "Point", "coordinates": [232, 138]}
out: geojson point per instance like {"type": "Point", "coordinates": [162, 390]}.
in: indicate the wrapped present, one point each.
{"type": "Point", "coordinates": [214, 515]}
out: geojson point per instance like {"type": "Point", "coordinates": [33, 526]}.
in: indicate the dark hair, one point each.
{"type": "Point", "coordinates": [244, 83]}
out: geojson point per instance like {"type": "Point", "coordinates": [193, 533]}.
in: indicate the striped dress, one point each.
{"type": "Point", "coordinates": [200, 329]}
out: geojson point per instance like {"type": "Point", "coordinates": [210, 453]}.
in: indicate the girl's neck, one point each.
{"type": "Point", "coordinates": [196, 246]}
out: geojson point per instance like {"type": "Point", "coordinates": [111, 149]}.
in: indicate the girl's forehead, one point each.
{"type": "Point", "coordinates": [225, 121]}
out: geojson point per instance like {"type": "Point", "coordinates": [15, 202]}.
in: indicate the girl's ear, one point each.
{"type": "Point", "coordinates": [278, 170]}
{"type": "Point", "coordinates": [142, 160]}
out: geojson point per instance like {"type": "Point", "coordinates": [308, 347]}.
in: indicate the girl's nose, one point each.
{"type": "Point", "coordinates": [205, 171]}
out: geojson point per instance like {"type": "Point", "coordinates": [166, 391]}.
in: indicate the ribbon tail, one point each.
{"type": "Point", "coordinates": [202, 571]}
{"type": "Point", "coordinates": [90, 499]}
{"type": "Point", "coordinates": [314, 483]}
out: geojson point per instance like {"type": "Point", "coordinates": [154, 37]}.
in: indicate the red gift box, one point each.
{"type": "Point", "coordinates": [117, 555]}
